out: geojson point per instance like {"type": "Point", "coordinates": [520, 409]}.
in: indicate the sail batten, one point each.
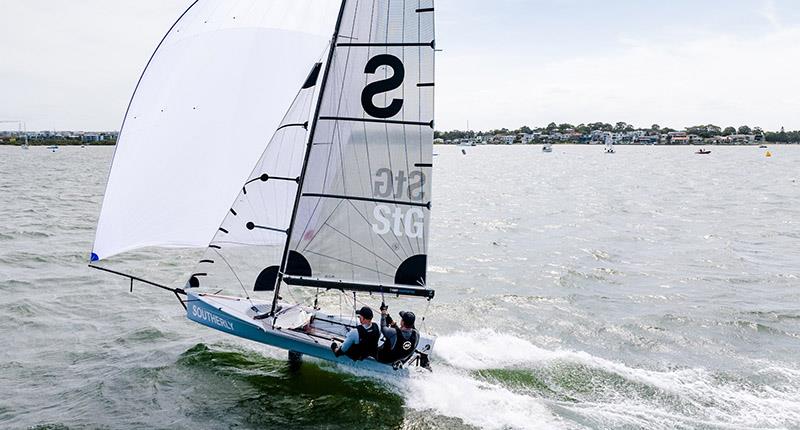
{"type": "Point", "coordinates": [392, 289]}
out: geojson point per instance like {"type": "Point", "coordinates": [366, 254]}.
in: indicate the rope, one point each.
{"type": "Point", "coordinates": [424, 315]}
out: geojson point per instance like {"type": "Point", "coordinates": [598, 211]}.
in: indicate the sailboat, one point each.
{"type": "Point", "coordinates": [334, 207]}
{"type": "Point", "coordinates": [22, 130]}
{"type": "Point", "coordinates": [25, 144]}
{"type": "Point", "coordinates": [609, 141]}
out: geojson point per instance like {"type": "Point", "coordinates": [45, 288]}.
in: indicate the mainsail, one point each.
{"type": "Point", "coordinates": [213, 92]}
{"type": "Point", "coordinates": [363, 209]}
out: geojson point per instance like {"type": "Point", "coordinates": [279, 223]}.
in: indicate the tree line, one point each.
{"type": "Point", "coordinates": [704, 131]}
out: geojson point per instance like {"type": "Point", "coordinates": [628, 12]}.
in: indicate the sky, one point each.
{"type": "Point", "coordinates": [73, 64]}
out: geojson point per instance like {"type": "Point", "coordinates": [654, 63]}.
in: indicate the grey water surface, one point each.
{"type": "Point", "coordinates": [652, 288]}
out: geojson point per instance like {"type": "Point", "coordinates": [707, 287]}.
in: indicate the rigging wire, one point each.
{"type": "Point", "coordinates": [246, 295]}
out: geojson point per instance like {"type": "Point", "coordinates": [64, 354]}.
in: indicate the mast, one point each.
{"type": "Point", "coordinates": [314, 122]}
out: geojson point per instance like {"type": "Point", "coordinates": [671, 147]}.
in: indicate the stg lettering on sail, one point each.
{"type": "Point", "coordinates": [402, 223]}
{"type": "Point", "coordinates": [399, 186]}
{"type": "Point", "coordinates": [399, 219]}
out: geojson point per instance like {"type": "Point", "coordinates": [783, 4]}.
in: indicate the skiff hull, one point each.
{"type": "Point", "coordinates": [234, 315]}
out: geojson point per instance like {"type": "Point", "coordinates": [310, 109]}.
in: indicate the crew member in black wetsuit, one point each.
{"type": "Point", "coordinates": [362, 342]}
{"type": "Point", "coordinates": [400, 342]}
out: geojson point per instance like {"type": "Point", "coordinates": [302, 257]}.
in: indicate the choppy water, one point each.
{"type": "Point", "coordinates": [652, 288]}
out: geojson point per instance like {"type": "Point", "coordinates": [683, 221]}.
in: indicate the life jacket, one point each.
{"type": "Point", "coordinates": [367, 343]}
{"type": "Point", "coordinates": [401, 350]}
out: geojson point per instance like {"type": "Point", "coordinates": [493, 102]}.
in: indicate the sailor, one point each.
{"type": "Point", "coordinates": [361, 342]}
{"type": "Point", "coordinates": [400, 342]}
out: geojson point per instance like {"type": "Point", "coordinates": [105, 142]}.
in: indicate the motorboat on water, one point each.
{"type": "Point", "coordinates": [703, 151]}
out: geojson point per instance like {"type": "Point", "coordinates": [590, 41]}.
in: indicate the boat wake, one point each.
{"type": "Point", "coordinates": [497, 381]}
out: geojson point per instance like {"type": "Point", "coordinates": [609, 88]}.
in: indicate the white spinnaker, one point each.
{"type": "Point", "coordinates": [214, 91]}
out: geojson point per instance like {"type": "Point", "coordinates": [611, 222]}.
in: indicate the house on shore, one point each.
{"type": "Point", "coordinates": [677, 138]}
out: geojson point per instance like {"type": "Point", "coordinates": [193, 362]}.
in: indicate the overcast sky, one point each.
{"type": "Point", "coordinates": [72, 64]}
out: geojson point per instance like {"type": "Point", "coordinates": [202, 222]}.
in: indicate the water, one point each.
{"type": "Point", "coordinates": [651, 288]}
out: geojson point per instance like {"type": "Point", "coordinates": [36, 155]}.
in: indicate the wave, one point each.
{"type": "Point", "coordinates": [494, 380]}
{"type": "Point", "coordinates": [254, 390]}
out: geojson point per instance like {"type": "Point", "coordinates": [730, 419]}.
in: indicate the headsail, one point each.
{"type": "Point", "coordinates": [215, 89]}
{"type": "Point", "coordinates": [247, 247]}
{"type": "Point", "coordinates": [364, 205]}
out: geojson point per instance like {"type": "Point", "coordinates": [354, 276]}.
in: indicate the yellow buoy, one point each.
{"type": "Point", "coordinates": [769, 154]}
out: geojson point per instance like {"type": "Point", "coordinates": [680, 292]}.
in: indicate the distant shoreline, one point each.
{"type": "Point", "coordinates": [72, 143]}
{"type": "Point", "coordinates": [58, 143]}
{"type": "Point", "coordinates": [618, 144]}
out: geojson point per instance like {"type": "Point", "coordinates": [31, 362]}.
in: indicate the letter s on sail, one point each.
{"type": "Point", "coordinates": [380, 212]}
{"type": "Point", "coordinates": [383, 86]}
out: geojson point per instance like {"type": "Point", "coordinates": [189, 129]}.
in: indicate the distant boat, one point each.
{"type": "Point", "coordinates": [53, 148]}
{"type": "Point", "coordinates": [763, 146]}
{"type": "Point", "coordinates": [703, 151]}
{"type": "Point", "coordinates": [22, 130]}
{"type": "Point", "coordinates": [548, 147]}
{"type": "Point", "coordinates": [609, 143]}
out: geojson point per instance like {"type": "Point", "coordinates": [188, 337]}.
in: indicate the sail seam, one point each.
{"type": "Point", "coordinates": [382, 238]}
{"type": "Point", "coordinates": [305, 230]}
{"type": "Point", "coordinates": [362, 246]}
{"type": "Point", "coordinates": [350, 263]}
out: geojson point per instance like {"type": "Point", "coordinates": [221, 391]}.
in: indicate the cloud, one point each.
{"type": "Point", "coordinates": [722, 78]}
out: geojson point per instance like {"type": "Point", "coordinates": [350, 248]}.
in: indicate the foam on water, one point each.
{"type": "Point", "coordinates": [450, 392]}
{"type": "Point", "coordinates": [703, 398]}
